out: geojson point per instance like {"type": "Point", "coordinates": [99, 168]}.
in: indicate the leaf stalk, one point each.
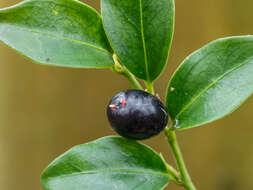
{"type": "Point", "coordinates": [122, 70]}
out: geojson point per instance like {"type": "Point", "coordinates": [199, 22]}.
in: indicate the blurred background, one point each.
{"type": "Point", "coordinates": [44, 111]}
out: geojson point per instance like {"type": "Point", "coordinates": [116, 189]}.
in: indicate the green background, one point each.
{"type": "Point", "coordinates": [44, 111]}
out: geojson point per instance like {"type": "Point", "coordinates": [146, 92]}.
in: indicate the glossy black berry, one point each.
{"type": "Point", "coordinates": [136, 114]}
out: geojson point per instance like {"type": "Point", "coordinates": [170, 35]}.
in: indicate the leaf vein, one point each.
{"type": "Point", "coordinates": [144, 43]}
{"type": "Point", "coordinates": [72, 40]}
{"type": "Point", "coordinates": [68, 39]}
{"type": "Point", "coordinates": [114, 171]}
{"type": "Point", "coordinates": [210, 86]}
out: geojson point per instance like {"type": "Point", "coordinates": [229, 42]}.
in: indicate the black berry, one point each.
{"type": "Point", "coordinates": [136, 114]}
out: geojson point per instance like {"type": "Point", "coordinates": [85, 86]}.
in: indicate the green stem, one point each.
{"type": "Point", "coordinates": [132, 79]}
{"type": "Point", "coordinates": [150, 87]}
{"type": "Point", "coordinates": [175, 175]}
{"type": "Point", "coordinates": [185, 177]}
{"type": "Point", "coordinates": [122, 70]}
{"type": "Point", "coordinates": [173, 172]}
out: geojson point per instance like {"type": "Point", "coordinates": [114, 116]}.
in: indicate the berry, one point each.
{"type": "Point", "coordinates": [136, 114]}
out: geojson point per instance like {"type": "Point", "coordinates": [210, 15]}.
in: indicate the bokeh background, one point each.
{"type": "Point", "coordinates": [44, 111]}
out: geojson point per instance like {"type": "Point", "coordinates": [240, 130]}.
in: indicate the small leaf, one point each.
{"type": "Point", "coordinates": [141, 33]}
{"type": "Point", "coordinates": [212, 82]}
{"type": "Point", "coordinates": [56, 32]}
{"type": "Point", "coordinates": [106, 164]}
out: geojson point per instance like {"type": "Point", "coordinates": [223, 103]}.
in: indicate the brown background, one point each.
{"type": "Point", "coordinates": [45, 110]}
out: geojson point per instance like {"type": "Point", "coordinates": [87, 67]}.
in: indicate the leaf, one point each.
{"type": "Point", "coordinates": [141, 33]}
{"type": "Point", "coordinates": [212, 82]}
{"type": "Point", "coordinates": [109, 163]}
{"type": "Point", "coordinates": [56, 32]}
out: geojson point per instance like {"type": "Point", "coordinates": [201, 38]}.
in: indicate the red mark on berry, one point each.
{"type": "Point", "coordinates": [123, 102]}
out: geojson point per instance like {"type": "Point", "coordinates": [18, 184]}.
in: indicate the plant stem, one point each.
{"type": "Point", "coordinates": [150, 87]}
{"type": "Point", "coordinates": [186, 179]}
{"type": "Point", "coordinates": [132, 79]}
{"type": "Point", "coordinates": [174, 173]}
{"type": "Point", "coordinates": [122, 70]}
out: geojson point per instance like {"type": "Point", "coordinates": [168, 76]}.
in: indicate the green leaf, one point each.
{"type": "Point", "coordinates": [141, 33]}
{"type": "Point", "coordinates": [212, 82]}
{"type": "Point", "coordinates": [109, 163]}
{"type": "Point", "coordinates": [56, 32]}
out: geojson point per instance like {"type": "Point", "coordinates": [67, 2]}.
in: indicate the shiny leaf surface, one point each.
{"type": "Point", "coordinates": [109, 163]}
{"type": "Point", "coordinates": [56, 32]}
{"type": "Point", "coordinates": [212, 82]}
{"type": "Point", "coordinates": [140, 32]}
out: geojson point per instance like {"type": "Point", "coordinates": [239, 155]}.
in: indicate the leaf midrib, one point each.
{"type": "Point", "coordinates": [144, 43]}
{"type": "Point", "coordinates": [66, 38]}
{"type": "Point", "coordinates": [210, 86]}
{"type": "Point", "coordinates": [129, 171]}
